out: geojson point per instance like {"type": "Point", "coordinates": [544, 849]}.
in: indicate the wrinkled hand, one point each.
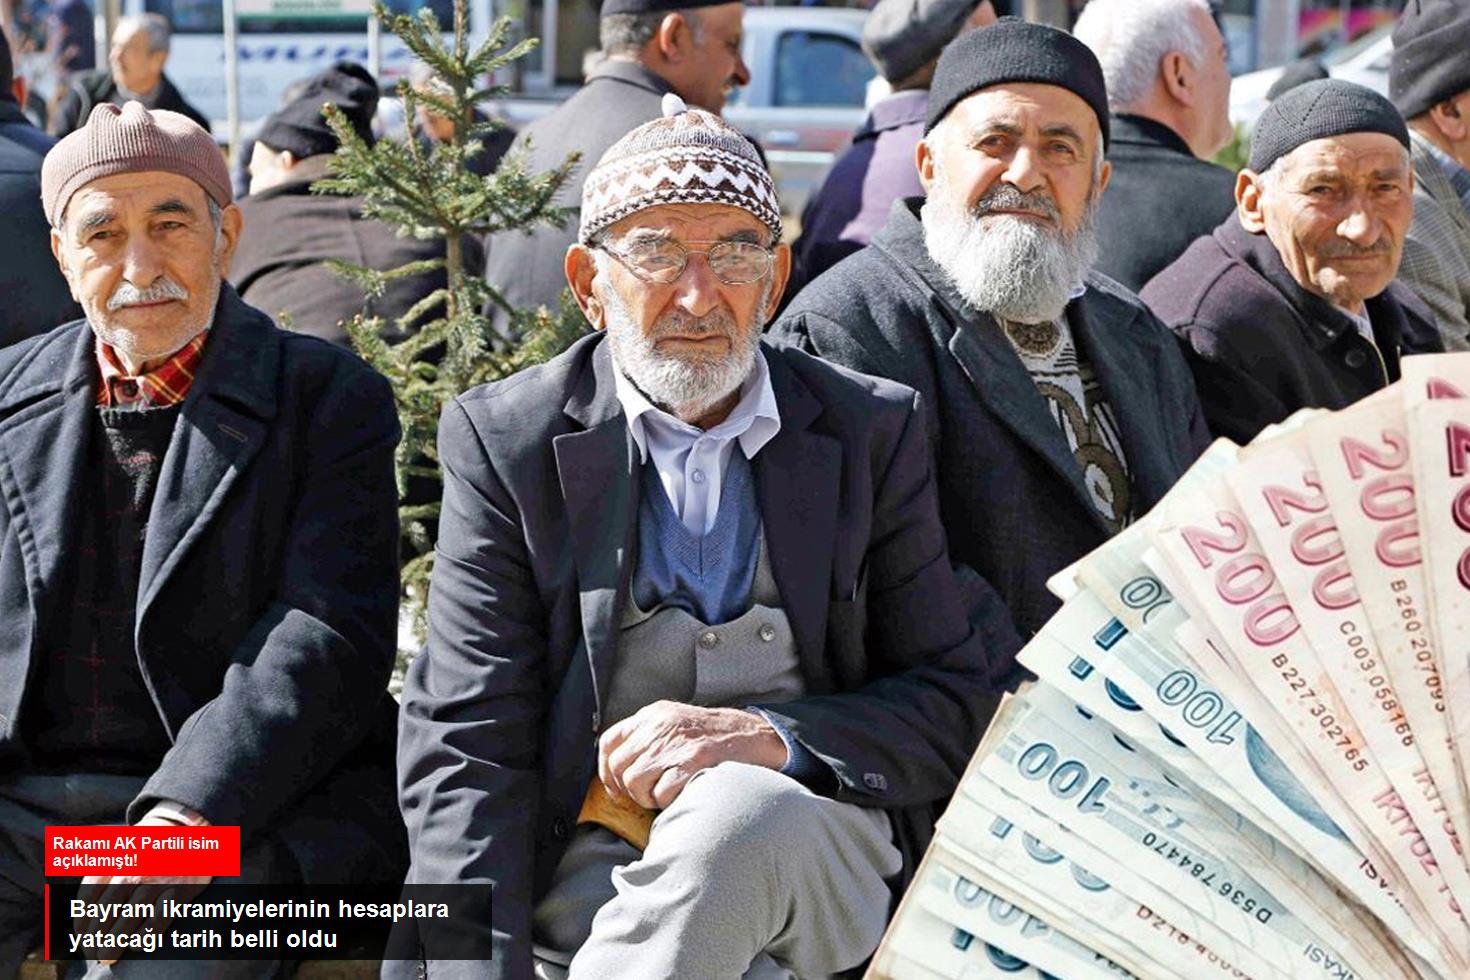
{"type": "Point", "coordinates": [138, 888]}
{"type": "Point", "coordinates": [651, 756]}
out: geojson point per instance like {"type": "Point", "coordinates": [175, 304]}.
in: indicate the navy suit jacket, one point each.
{"type": "Point", "coordinates": [501, 714]}
{"type": "Point", "coordinates": [267, 600]}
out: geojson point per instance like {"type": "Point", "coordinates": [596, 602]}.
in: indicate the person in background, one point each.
{"type": "Point", "coordinates": [432, 127]}
{"type": "Point", "coordinates": [683, 571]}
{"type": "Point", "coordinates": [1168, 79]}
{"type": "Point", "coordinates": [290, 233]}
{"type": "Point", "coordinates": [198, 556]}
{"type": "Point", "coordinates": [1299, 72]}
{"type": "Point", "coordinates": [903, 39]}
{"type": "Point", "coordinates": [1061, 407]}
{"type": "Point", "coordinates": [1429, 82]}
{"type": "Point", "coordinates": [36, 296]}
{"type": "Point", "coordinates": [136, 60]}
{"type": "Point", "coordinates": [1291, 303]}
{"type": "Point", "coordinates": [650, 47]}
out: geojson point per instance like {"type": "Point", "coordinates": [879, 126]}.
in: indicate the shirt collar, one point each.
{"type": "Point", "coordinates": [754, 420]}
{"type": "Point", "coordinates": [1458, 176]}
{"type": "Point", "coordinates": [168, 384]}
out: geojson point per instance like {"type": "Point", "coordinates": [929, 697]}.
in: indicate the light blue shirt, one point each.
{"type": "Point", "coordinates": [691, 462]}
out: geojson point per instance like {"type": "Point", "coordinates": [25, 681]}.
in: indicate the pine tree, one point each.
{"type": "Point", "coordinates": [430, 192]}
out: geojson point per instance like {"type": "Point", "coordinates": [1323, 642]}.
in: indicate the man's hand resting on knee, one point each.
{"type": "Point", "coordinates": [650, 756]}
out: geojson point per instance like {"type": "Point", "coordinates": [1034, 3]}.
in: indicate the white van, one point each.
{"type": "Point", "coordinates": [276, 52]}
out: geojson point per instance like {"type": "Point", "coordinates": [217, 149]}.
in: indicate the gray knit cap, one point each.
{"type": "Point", "coordinates": [132, 139]}
{"type": "Point", "coordinates": [688, 156]}
{"type": "Point", "coordinates": [902, 36]}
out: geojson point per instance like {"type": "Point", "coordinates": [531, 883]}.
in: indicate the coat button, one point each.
{"type": "Point", "coordinates": [708, 639]}
{"type": "Point", "coordinates": [559, 828]}
{"type": "Point", "coordinates": [1356, 358]}
{"type": "Point", "coordinates": [768, 632]}
{"type": "Point", "coordinates": [875, 781]}
{"type": "Point", "coordinates": [596, 720]}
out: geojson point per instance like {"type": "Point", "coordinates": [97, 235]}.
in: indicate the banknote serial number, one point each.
{"type": "Point", "coordinates": [1201, 872]}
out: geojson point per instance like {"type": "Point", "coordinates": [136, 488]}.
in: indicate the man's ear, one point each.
{"type": "Point", "coordinates": [1178, 75]}
{"type": "Point", "coordinates": [1104, 175]}
{"type": "Point", "coordinates": [1248, 205]}
{"type": "Point", "coordinates": [581, 270]}
{"type": "Point", "coordinates": [1450, 120]}
{"type": "Point", "coordinates": [924, 161]}
{"type": "Point", "coordinates": [60, 256]}
{"type": "Point", "coordinates": [231, 221]}
{"type": "Point", "coordinates": [780, 276]}
{"type": "Point", "coordinates": [674, 38]}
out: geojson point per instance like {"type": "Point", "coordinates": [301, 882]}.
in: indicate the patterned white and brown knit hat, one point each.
{"type": "Point", "coordinates": [689, 156]}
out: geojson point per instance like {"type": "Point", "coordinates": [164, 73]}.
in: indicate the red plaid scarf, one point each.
{"type": "Point", "coordinates": [165, 385]}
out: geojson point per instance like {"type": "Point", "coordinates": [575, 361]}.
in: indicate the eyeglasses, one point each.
{"type": "Point", "coordinates": [663, 261]}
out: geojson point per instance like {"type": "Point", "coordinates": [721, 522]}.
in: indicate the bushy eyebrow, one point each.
{"type": "Point", "coordinates": [96, 220]}
{"type": "Point", "coordinates": [1012, 130]}
{"type": "Point", "coordinates": [172, 206]}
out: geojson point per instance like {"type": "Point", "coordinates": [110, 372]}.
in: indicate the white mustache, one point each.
{"type": "Point", "coordinates": [126, 294]}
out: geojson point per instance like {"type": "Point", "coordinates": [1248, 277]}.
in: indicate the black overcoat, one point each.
{"type": "Point", "coordinates": [1010, 492]}
{"type": "Point", "coordinates": [501, 714]}
{"type": "Point", "coordinates": [1262, 347]}
{"type": "Point", "coordinates": [267, 599]}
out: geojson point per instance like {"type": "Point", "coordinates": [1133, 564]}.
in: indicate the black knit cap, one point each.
{"type": "Point", "coordinates": [300, 126]}
{"type": "Point", "coordinates": [1011, 50]}
{"type": "Point", "coordinates": [1430, 61]}
{"type": "Point", "coordinates": [654, 6]}
{"type": "Point", "coordinates": [1317, 110]}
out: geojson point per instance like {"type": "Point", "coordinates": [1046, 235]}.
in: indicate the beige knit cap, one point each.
{"type": "Point", "coordinates": [687, 157]}
{"type": "Point", "coordinates": [132, 139]}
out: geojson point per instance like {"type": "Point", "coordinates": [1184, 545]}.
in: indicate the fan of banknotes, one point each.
{"type": "Point", "coordinates": [1246, 752]}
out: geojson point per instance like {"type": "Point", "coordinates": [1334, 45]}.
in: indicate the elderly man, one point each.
{"type": "Point", "coordinates": [903, 39]}
{"type": "Point", "coordinates": [1062, 408]}
{"type": "Point", "coordinates": [1291, 303]}
{"type": "Point", "coordinates": [649, 47]}
{"type": "Point", "coordinates": [1429, 82]}
{"type": "Point", "coordinates": [291, 234]}
{"type": "Point", "coordinates": [139, 51]}
{"type": "Point", "coordinates": [708, 578]}
{"type": "Point", "coordinates": [197, 558]}
{"type": "Point", "coordinates": [36, 297]}
{"type": "Point", "coordinates": [1168, 79]}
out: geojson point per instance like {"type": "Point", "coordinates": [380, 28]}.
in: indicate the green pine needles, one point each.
{"type": "Point", "coordinates": [444, 345]}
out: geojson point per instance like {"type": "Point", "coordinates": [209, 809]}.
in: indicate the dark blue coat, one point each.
{"type": "Point", "coordinates": [502, 712]}
{"type": "Point", "coordinates": [1011, 494]}
{"type": "Point", "coordinates": [267, 600]}
{"type": "Point", "coordinates": [36, 296]}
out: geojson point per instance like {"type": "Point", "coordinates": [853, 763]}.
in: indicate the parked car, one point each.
{"type": "Point", "coordinates": [1364, 61]}
{"type": "Point", "coordinates": [805, 98]}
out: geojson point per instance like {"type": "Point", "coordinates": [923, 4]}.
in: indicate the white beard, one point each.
{"type": "Point", "coordinates": [1011, 267]}
{"type": "Point", "coordinates": [685, 386]}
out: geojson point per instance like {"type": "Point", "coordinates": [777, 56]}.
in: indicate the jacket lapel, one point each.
{"type": "Point", "coordinates": [43, 459]}
{"type": "Point", "coordinates": [597, 468]}
{"type": "Point", "coordinates": [223, 423]}
{"type": "Point", "coordinates": [798, 476]}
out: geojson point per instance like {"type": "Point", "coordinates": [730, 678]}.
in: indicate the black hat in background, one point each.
{"type": "Point", "coordinates": [654, 6]}
{"type": "Point", "coordinates": [1013, 50]}
{"type": "Point", "coordinates": [1318, 110]}
{"type": "Point", "coordinates": [1431, 55]}
{"type": "Point", "coordinates": [300, 126]}
{"type": "Point", "coordinates": [902, 36]}
{"type": "Point", "coordinates": [1297, 73]}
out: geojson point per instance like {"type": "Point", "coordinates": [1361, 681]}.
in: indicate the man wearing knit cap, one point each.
{"type": "Point", "coordinates": [649, 47]}
{"type": "Point", "coordinates": [686, 578]}
{"type": "Point", "coordinates": [903, 39]}
{"type": "Point", "coordinates": [1429, 82]}
{"type": "Point", "coordinates": [1061, 408]}
{"type": "Point", "coordinates": [1291, 302]}
{"type": "Point", "coordinates": [290, 233]}
{"type": "Point", "coordinates": [198, 560]}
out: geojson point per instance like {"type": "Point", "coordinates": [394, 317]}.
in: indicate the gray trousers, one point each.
{"type": "Point", "coordinates": [30, 803]}
{"type": "Point", "coordinates": [748, 874]}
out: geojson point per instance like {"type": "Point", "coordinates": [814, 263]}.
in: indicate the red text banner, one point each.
{"type": "Point", "coordinates": [73, 852]}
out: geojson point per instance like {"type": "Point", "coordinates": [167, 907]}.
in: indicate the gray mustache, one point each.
{"type": "Point", "coordinates": [1006, 197]}
{"type": "Point", "coordinates": [126, 294]}
{"type": "Point", "coordinates": [1342, 249]}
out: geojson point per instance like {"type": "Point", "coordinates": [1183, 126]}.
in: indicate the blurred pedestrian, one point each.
{"type": "Point", "coordinates": [1299, 72]}
{"type": "Point", "coordinates": [432, 127]}
{"type": "Point", "coordinates": [1429, 82]}
{"type": "Point", "coordinates": [903, 39]}
{"type": "Point", "coordinates": [1291, 303]}
{"type": "Point", "coordinates": [1168, 79]}
{"type": "Point", "coordinates": [140, 46]}
{"type": "Point", "coordinates": [36, 297]}
{"type": "Point", "coordinates": [650, 47]}
{"type": "Point", "coordinates": [290, 233]}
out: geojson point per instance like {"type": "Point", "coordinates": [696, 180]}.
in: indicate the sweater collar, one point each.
{"type": "Point", "coordinates": [1128, 128]}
